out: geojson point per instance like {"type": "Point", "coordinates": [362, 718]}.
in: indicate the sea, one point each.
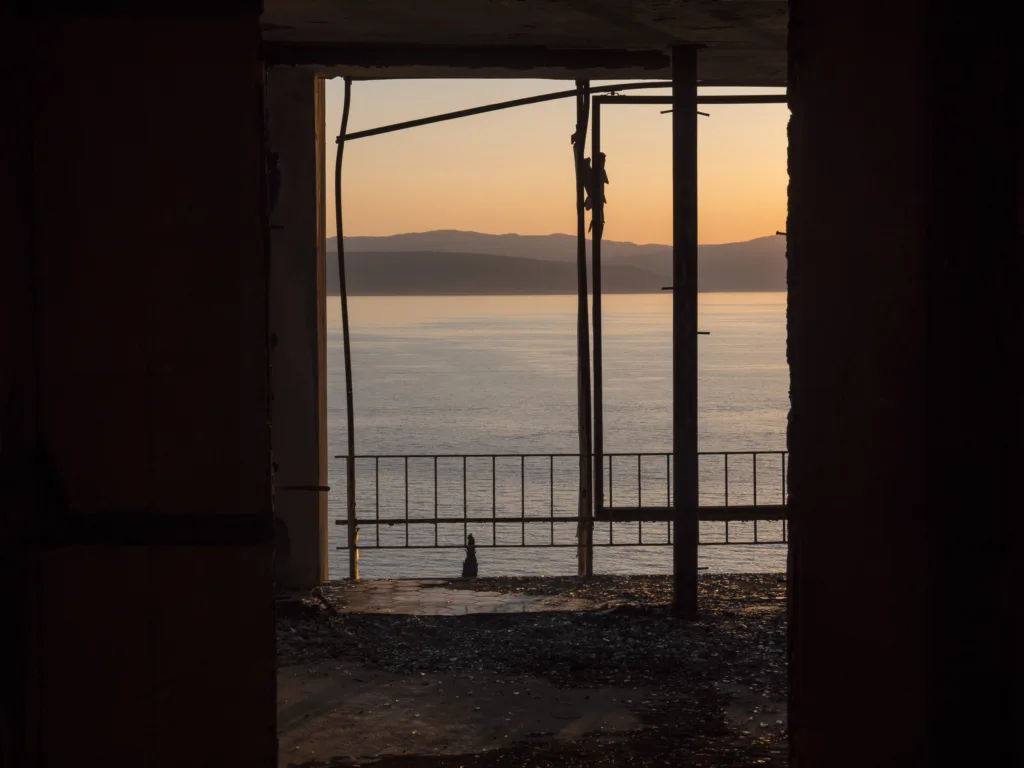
{"type": "Point", "coordinates": [452, 376]}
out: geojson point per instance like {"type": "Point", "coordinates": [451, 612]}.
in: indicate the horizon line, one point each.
{"type": "Point", "coordinates": [550, 234]}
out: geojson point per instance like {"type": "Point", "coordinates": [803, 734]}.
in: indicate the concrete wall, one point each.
{"type": "Point", "coordinates": [135, 395]}
{"type": "Point", "coordinates": [17, 395]}
{"type": "Point", "coordinates": [905, 321]}
{"type": "Point", "coordinates": [298, 326]}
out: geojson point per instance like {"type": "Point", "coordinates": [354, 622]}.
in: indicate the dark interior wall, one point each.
{"type": "Point", "coordinates": [857, 332]}
{"type": "Point", "coordinates": [16, 353]}
{"type": "Point", "coordinates": [135, 387]}
{"type": "Point", "coordinates": [152, 261]}
{"type": "Point", "coordinates": [904, 247]}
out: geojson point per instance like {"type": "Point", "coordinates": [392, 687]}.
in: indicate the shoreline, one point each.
{"type": "Point", "coordinates": [538, 293]}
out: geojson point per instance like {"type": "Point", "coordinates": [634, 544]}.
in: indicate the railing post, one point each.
{"type": "Point", "coordinates": [353, 529]}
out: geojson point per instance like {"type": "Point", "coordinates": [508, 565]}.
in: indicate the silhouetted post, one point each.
{"type": "Point", "coordinates": [684, 330]}
{"type": "Point", "coordinates": [597, 180]}
{"type": "Point", "coordinates": [350, 459]}
{"type": "Point", "coordinates": [585, 527]}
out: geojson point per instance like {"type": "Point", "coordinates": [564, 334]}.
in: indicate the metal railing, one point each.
{"type": "Point", "coordinates": [531, 500]}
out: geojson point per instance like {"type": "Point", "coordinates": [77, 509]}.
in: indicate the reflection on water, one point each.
{"type": "Point", "coordinates": [498, 375]}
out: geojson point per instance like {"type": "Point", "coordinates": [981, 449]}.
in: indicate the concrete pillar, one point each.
{"type": "Point", "coordinates": [905, 325]}
{"type": "Point", "coordinates": [685, 497]}
{"type": "Point", "coordinates": [135, 453]}
{"type": "Point", "coordinates": [298, 327]}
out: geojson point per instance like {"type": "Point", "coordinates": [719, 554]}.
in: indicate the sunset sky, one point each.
{"type": "Point", "coordinates": [512, 171]}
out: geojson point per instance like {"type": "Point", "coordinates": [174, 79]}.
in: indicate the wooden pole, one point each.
{"type": "Point", "coordinates": [597, 227]}
{"type": "Point", "coordinates": [585, 529]}
{"type": "Point", "coordinates": [350, 459]}
{"type": "Point", "coordinates": [684, 330]}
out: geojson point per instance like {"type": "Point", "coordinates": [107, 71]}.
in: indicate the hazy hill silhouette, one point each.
{"type": "Point", "coordinates": [452, 261]}
{"type": "Point", "coordinates": [439, 274]}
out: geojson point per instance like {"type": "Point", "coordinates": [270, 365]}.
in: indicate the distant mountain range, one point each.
{"type": "Point", "coordinates": [450, 262]}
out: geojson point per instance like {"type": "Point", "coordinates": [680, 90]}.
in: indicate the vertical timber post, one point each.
{"type": "Point", "coordinates": [597, 225]}
{"type": "Point", "coordinates": [585, 528]}
{"type": "Point", "coordinates": [350, 459]}
{"type": "Point", "coordinates": [684, 330]}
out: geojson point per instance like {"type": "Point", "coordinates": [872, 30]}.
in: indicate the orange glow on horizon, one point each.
{"type": "Point", "coordinates": [512, 171]}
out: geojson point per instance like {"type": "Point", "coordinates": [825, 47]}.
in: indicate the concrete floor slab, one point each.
{"type": "Point", "coordinates": [342, 708]}
{"type": "Point", "coordinates": [435, 597]}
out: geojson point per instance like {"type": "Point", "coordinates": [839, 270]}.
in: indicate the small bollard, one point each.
{"type": "Point", "coordinates": [469, 565]}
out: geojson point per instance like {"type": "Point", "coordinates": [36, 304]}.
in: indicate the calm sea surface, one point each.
{"type": "Point", "coordinates": [481, 375]}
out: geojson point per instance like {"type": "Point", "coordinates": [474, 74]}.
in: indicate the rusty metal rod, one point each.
{"type": "Point", "coordinates": [350, 464]}
{"type": "Point", "coordinates": [769, 98]}
{"type": "Point", "coordinates": [541, 455]}
{"type": "Point", "coordinates": [566, 546]}
{"type": "Point", "coordinates": [481, 110]}
{"type": "Point", "coordinates": [597, 227]}
{"type": "Point", "coordinates": [585, 530]}
{"type": "Point", "coordinates": [746, 513]}
{"type": "Point", "coordinates": [556, 95]}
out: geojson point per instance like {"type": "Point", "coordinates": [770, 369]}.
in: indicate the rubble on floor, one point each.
{"type": "Point", "coordinates": [709, 692]}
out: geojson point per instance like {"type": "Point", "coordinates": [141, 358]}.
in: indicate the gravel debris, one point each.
{"type": "Point", "coordinates": [628, 639]}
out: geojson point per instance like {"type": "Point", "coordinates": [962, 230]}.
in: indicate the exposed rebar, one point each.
{"type": "Point", "coordinates": [350, 468]}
